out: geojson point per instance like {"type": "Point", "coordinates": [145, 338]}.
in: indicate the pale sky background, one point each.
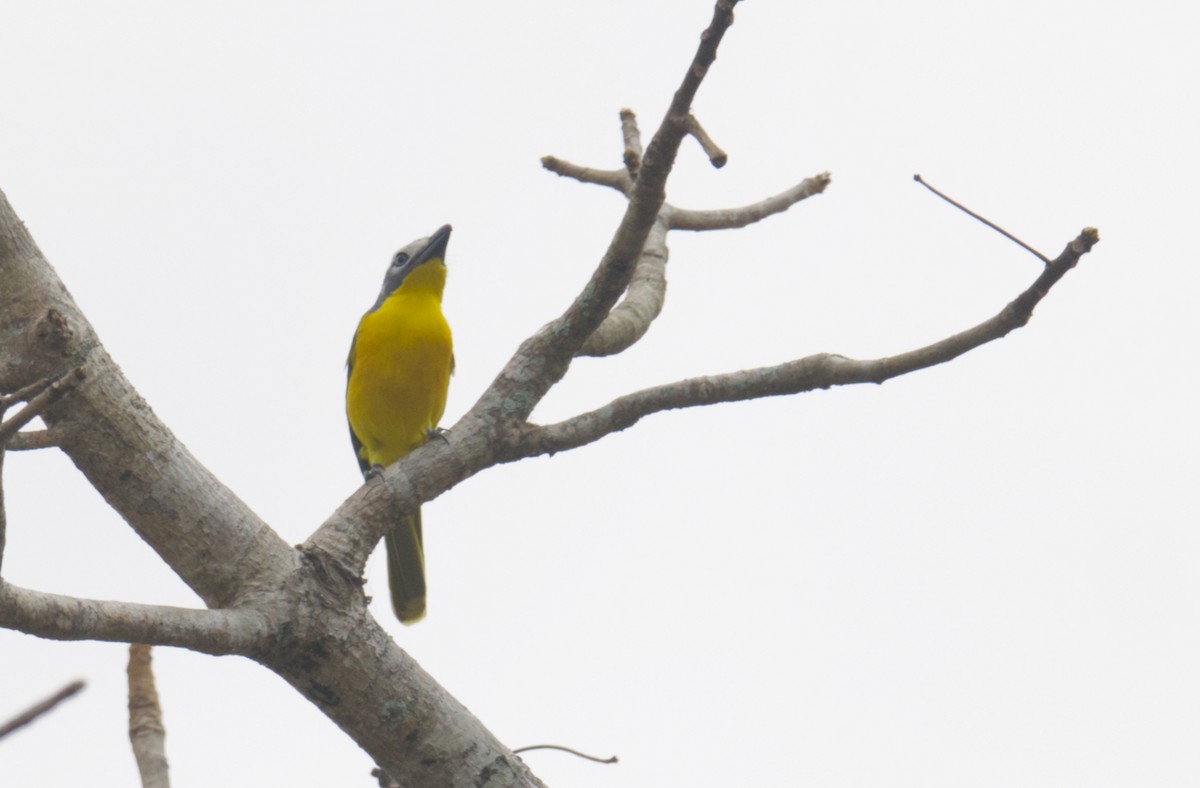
{"type": "Point", "coordinates": [985, 574]}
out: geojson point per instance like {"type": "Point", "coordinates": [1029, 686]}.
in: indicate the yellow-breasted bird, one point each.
{"type": "Point", "coordinates": [397, 375]}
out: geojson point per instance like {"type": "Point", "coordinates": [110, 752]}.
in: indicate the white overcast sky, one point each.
{"type": "Point", "coordinates": [983, 574]}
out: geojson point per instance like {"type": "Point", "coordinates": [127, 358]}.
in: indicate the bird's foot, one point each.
{"type": "Point", "coordinates": [439, 433]}
{"type": "Point", "coordinates": [373, 472]}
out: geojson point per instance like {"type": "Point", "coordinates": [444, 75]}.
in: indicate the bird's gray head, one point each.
{"type": "Point", "coordinates": [411, 257]}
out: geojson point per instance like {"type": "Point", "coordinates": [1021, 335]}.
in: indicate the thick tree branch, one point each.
{"type": "Point", "coordinates": [59, 617]}
{"type": "Point", "coordinates": [819, 371]}
{"type": "Point", "coordinates": [202, 530]}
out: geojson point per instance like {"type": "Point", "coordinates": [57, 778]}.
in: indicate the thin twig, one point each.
{"type": "Point", "coordinates": [611, 759]}
{"type": "Point", "coordinates": [24, 393]}
{"type": "Point", "coordinates": [1045, 260]}
{"type": "Point", "coordinates": [51, 393]}
{"type": "Point", "coordinates": [38, 709]}
{"type": "Point", "coordinates": [712, 150]}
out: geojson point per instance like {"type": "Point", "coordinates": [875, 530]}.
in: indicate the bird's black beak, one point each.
{"type": "Point", "coordinates": [435, 248]}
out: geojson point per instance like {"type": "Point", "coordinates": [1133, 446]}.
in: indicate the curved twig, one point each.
{"type": "Point", "coordinates": [560, 748]}
{"type": "Point", "coordinates": [630, 320]}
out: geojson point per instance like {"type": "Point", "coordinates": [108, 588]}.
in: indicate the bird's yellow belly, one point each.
{"type": "Point", "coordinates": [396, 392]}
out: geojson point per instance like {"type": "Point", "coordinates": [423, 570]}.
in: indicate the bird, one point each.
{"type": "Point", "coordinates": [397, 377]}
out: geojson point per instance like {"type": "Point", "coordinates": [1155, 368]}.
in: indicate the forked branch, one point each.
{"type": "Point", "coordinates": [646, 292]}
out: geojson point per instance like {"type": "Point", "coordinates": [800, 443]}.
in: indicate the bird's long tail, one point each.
{"type": "Point", "coordinates": [406, 569]}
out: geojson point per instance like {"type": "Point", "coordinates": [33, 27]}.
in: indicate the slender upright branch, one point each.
{"type": "Point", "coordinates": [147, 735]}
{"type": "Point", "coordinates": [632, 155]}
{"type": "Point", "coordinates": [544, 358]}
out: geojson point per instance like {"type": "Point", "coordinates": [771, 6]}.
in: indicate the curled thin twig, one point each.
{"type": "Point", "coordinates": [610, 759]}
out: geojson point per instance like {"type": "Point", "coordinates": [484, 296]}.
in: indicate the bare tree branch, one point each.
{"type": "Point", "coordinates": [613, 179]}
{"type": "Point", "coordinates": [730, 218]}
{"type": "Point", "coordinates": [40, 708]}
{"type": "Point", "coordinates": [820, 371]}
{"type": "Point", "coordinates": [48, 392]}
{"type": "Point", "coordinates": [302, 612]}
{"type": "Point", "coordinates": [643, 301]}
{"type": "Point", "coordinates": [146, 732]}
{"type": "Point", "coordinates": [30, 440]}
{"type": "Point", "coordinates": [630, 320]}
{"type": "Point", "coordinates": [59, 617]}
{"type": "Point", "coordinates": [543, 359]}
{"type": "Point", "coordinates": [715, 155]}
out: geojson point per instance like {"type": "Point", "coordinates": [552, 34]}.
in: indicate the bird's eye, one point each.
{"type": "Point", "coordinates": [400, 259]}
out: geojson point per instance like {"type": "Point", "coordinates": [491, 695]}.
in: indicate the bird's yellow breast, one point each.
{"type": "Point", "coordinates": [400, 365]}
